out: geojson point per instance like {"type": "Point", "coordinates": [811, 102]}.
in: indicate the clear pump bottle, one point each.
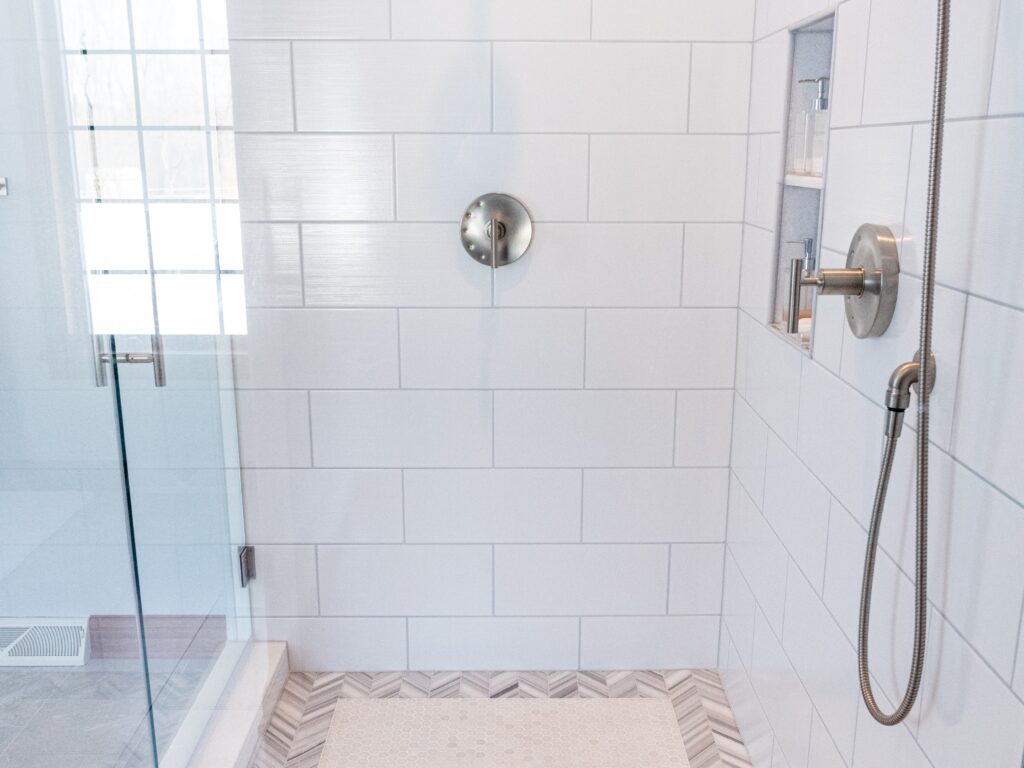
{"type": "Point", "coordinates": [815, 125]}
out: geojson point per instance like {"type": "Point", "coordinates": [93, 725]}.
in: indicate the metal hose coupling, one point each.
{"type": "Point", "coordinates": [897, 396]}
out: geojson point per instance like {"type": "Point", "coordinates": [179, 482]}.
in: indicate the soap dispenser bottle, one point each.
{"type": "Point", "coordinates": [816, 129]}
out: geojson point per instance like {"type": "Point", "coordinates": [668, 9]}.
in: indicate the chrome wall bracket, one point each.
{"type": "Point", "coordinates": [496, 230]}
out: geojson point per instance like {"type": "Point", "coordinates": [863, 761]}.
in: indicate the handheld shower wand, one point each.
{"type": "Point", "coordinates": [919, 373]}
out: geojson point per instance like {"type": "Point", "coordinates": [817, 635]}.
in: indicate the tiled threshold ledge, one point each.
{"type": "Point", "coordinates": [298, 728]}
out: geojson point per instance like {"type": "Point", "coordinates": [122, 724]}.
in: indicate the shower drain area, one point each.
{"type": "Point", "coordinates": [43, 642]}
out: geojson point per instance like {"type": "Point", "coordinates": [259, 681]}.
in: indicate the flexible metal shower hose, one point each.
{"type": "Point", "coordinates": [889, 450]}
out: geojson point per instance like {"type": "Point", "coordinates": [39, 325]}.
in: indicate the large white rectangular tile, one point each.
{"type": "Point", "coordinates": [765, 155]}
{"type": "Point", "coordinates": [989, 403]}
{"type": "Point", "coordinates": [261, 86]}
{"type": "Point", "coordinates": [308, 18]}
{"type": "Point", "coordinates": [317, 348]}
{"type": "Point", "coordinates": [822, 751]}
{"type": "Point", "coordinates": [703, 427]}
{"type": "Point", "coordinates": [769, 83]}
{"type": "Point", "coordinates": [883, 745]}
{"type": "Point", "coordinates": [492, 348]}
{"type": "Point", "coordinates": [759, 554]}
{"type": "Point", "coordinates": [287, 585]}
{"type": "Point", "coordinates": [660, 348]}
{"type": "Point", "coordinates": [273, 273]}
{"type": "Point", "coordinates": [851, 42]}
{"type": "Point", "coordinates": [494, 643]}
{"type": "Point", "coordinates": [394, 264]}
{"type": "Point", "coordinates": [905, 32]}
{"type": "Point", "coordinates": [783, 697]}
{"type": "Point", "coordinates": [322, 506]}
{"type": "Point", "coordinates": [738, 610]}
{"type": "Point", "coordinates": [405, 580]}
{"type": "Point", "coordinates": [273, 428]}
{"type": "Point", "coordinates": [982, 194]}
{"type": "Point", "coordinates": [749, 449]}
{"type": "Point", "coordinates": [392, 86]}
{"type": "Point", "coordinates": [673, 20]}
{"type": "Point", "coordinates": [976, 718]}
{"type": "Point", "coordinates": [580, 579]}
{"type": "Point", "coordinates": [695, 579]}
{"type": "Point", "coordinates": [591, 87]}
{"type": "Point", "coordinates": [711, 265]}
{"type": "Point", "coordinates": [796, 505]}
{"type": "Point", "coordinates": [316, 645]}
{"type": "Point", "coordinates": [491, 20]}
{"type": "Point", "coordinates": [655, 504]}
{"type": "Point", "coordinates": [1018, 678]}
{"type": "Point", "coordinates": [754, 726]}
{"type": "Point", "coordinates": [867, 182]}
{"type": "Point", "coordinates": [719, 88]}
{"type": "Point", "coordinates": [583, 428]}
{"type": "Point", "coordinates": [757, 275]}
{"type": "Point", "coordinates": [401, 429]}
{"type": "Point", "coordinates": [657, 642]}
{"type": "Point", "coordinates": [667, 178]}
{"type": "Point", "coordinates": [1007, 89]}
{"type": "Point", "coordinates": [824, 660]}
{"type": "Point", "coordinates": [439, 175]}
{"type": "Point", "coordinates": [284, 177]}
{"type": "Point", "coordinates": [579, 265]}
{"type": "Point", "coordinates": [492, 505]}
{"type": "Point", "coordinates": [772, 382]}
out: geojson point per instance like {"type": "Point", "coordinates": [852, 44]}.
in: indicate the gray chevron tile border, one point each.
{"type": "Point", "coordinates": [295, 735]}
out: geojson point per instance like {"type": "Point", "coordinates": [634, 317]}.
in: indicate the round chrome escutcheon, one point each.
{"type": "Point", "coordinates": [496, 229]}
{"type": "Point", "coordinates": [873, 249]}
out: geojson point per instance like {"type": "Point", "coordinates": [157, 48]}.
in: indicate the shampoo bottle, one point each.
{"type": "Point", "coordinates": [816, 131]}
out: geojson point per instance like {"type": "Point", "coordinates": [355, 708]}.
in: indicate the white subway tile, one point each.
{"type": "Point", "coordinates": [1007, 89]}
{"type": "Point", "coordinates": [844, 568]}
{"type": "Point", "coordinates": [758, 273]}
{"type": "Point", "coordinates": [287, 583]}
{"type": "Point", "coordinates": [759, 554]}
{"type": "Point", "coordinates": [591, 87]}
{"type": "Point", "coordinates": [824, 660]}
{"type": "Point", "coordinates": [884, 745]}
{"type": "Point", "coordinates": [321, 644]}
{"type": "Point", "coordinates": [273, 275]}
{"type": "Point", "coordinates": [711, 264]}
{"type": "Point", "coordinates": [273, 428]}
{"type": "Point", "coordinates": [656, 642]}
{"type": "Point", "coordinates": [782, 696]}
{"type": "Point", "coordinates": [392, 86]}
{"type": "Point", "coordinates": [652, 348]}
{"type": "Point", "coordinates": [322, 506]}
{"type": "Point", "coordinates": [390, 265]}
{"type": "Point", "coordinates": [719, 88]}
{"type": "Point", "coordinates": [867, 182]}
{"type": "Point", "coordinates": [797, 507]}
{"type": "Point", "coordinates": [673, 20]}
{"type": "Point", "coordinates": [494, 643]}
{"type": "Point", "coordinates": [703, 427]}
{"type": "Point", "coordinates": [775, 14]}
{"type": "Point", "coordinates": [975, 719]}
{"type": "Point", "coordinates": [695, 579]}
{"type": "Point", "coordinates": [989, 404]}
{"type": "Point", "coordinates": [738, 610]}
{"type": "Point", "coordinates": [667, 178]}
{"type": "Point", "coordinates": [764, 176]}
{"type": "Point", "coordinates": [829, 324]}
{"type": "Point", "coordinates": [491, 20]}
{"type": "Point", "coordinates": [438, 176]}
{"type": "Point", "coordinates": [655, 504]}
{"type": "Point", "coordinates": [315, 177]}
{"type": "Point", "coordinates": [982, 194]}
{"type": "Point", "coordinates": [749, 448]}
{"type": "Point", "coordinates": [757, 732]}
{"type": "Point", "coordinates": [261, 85]}
{"type": "Point", "coordinates": [851, 42]}
{"type": "Point", "coordinates": [492, 348]}
{"type": "Point", "coordinates": [317, 348]}
{"type": "Point", "coordinates": [492, 505]}
{"type": "Point", "coordinates": [1018, 679]}
{"type": "Point", "coordinates": [401, 429]}
{"type": "Point", "coordinates": [405, 580]}
{"type": "Point", "coordinates": [823, 752]}
{"type": "Point", "coordinates": [596, 265]}
{"type": "Point", "coordinates": [901, 53]}
{"type": "Point", "coordinates": [580, 579]}
{"type": "Point", "coordinates": [769, 84]}
{"type": "Point", "coordinates": [308, 18]}
{"type": "Point", "coordinates": [772, 385]}
{"type": "Point", "coordinates": [583, 428]}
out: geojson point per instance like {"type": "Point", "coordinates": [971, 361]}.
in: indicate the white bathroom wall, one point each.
{"type": "Point", "coordinates": [445, 468]}
{"type": "Point", "coordinates": [808, 428]}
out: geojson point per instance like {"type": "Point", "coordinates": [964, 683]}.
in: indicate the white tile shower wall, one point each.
{"type": "Point", "coordinates": [807, 428]}
{"type": "Point", "coordinates": [526, 469]}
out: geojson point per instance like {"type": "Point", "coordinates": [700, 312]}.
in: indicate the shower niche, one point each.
{"type": "Point", "coordinates": [806, 145]}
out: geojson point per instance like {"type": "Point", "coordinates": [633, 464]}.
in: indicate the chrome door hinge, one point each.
{"type": "Point", "coordinates": [247, 564]}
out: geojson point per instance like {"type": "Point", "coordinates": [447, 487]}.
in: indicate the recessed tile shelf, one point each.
{"type": "Point", "coordinates": [805, 181]}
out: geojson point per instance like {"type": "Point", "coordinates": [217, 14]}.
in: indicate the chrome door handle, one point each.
{"type": "Point", "coordinates": [156, 357]}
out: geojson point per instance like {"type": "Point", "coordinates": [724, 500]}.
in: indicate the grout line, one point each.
{"type": "Point", "coordinates": [675, 426]}
{"type": "Point", "coordinates": [864, 73]}
{"type": "Point", "coordinates": [309, 426]}
{"type": "Point", "coordinates": [405, 537]}
{"type": "Point", "coordinates": [579, 642]}
{"type": "Point", "coordinates": [583, 503]}
{"type": "Point", "coordinates": [586, 322]}
{"type": "Point", "coordinates": [493, 89]}
{"type": "Point", "coordinates": [398, 335]}
{"type": "Point", "coordinates": [494, 581]}
{"type": "Point", "coordinates": [668, 582]}
{"type": "Point", "coordinates": [302, 268]}
{"type": "Point", "coordinates": [407, 649]}
{"type": "Point", "coordinates": [991, 80]}
{"type": "Point", "coordinates": [316, 571]}
{"type": "Point", "coordinates": [689, 91]}
{"type": "Point", "coordinates": [591, 21]}
{"type": "Point", "coordinates": [394, 176]}
{"type": "Point", "coordinates": [291, 71]}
